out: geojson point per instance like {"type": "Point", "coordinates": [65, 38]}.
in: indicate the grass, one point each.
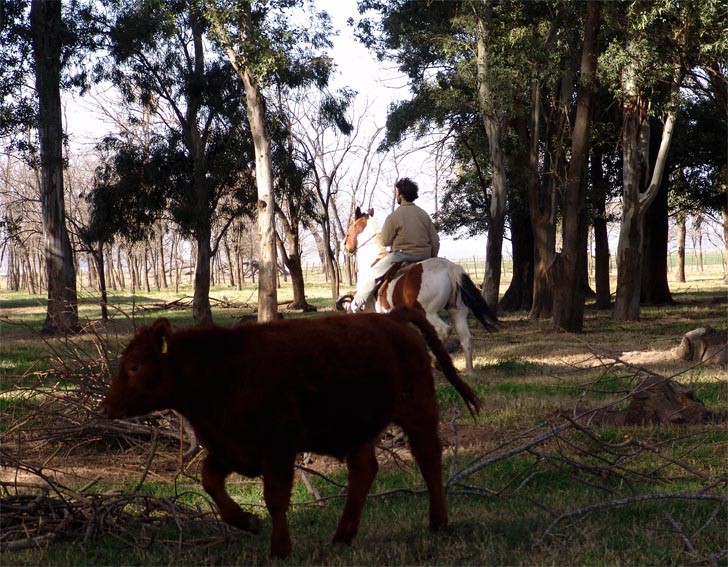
{"type": "Point", "coordinates": [525, 374]}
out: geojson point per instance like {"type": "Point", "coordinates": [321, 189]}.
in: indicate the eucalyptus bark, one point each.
{"type": "Point", "coordinates": [255, 105]}
{"type": "Point", "coordinates": [569, 297]}
{"type": "Point", "coordinates": [292, 258]}
{"type": "Point", "coordinates": [47, 31]}
{"type": "Point", "coordinates": [201, 309]}
{"type": "Point", "coordinates": [601, 237]}
{"type": "Point", "coordinates": [493, 121]}
{"type": "Point", "coordinates": [635, 201]}
{"type": "Point", "coordinates": [724, 215]}
{"type": "Point", "coordinates": [681, 233]}
{"type": "Point", "coordinates": [520, 291]}
{"type": "Point", "coordinates": [655, 289]}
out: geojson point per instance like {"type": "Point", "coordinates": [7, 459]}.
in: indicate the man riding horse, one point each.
{"type": "Point", "coordinates": [410, 234]}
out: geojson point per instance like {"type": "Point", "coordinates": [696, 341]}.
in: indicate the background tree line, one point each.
{"type": "Point", "coordinates": [546, 112]}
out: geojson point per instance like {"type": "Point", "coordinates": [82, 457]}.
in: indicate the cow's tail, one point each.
{"type": "Point", "coordinates": [409, 315]}
{"type": "Point", "coordinates": [473, 299]}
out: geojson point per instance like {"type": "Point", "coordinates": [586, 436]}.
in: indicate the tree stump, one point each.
{"type": "Point", "coordinates": [659, 400]}
{"type": "Point", "coordinates": [705, 345]}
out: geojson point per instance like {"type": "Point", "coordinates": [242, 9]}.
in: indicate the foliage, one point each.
{"type": "Point", "coordinates": [147, 173]}
{"type": "Point", "coordinates": [80, 38]}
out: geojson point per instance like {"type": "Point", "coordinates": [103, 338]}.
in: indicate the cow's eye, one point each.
{"type": "Point", "coordinates": [134, 368]}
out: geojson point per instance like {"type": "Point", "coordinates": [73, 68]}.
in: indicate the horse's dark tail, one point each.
{"type": "Point", "coordinates": [475, 302]}
{"type": "Point", "coordinates": [409, 315]}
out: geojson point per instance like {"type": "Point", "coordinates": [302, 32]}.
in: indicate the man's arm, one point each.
{"type": "Point", "coordinates": [434, 240]}
{"type": "Point", "coordinates": [388, 231]}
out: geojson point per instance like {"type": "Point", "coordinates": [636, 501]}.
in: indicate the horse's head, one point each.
{"type": "Point", "coordinates": [356, 227]}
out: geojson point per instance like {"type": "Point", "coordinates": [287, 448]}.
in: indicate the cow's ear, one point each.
{"type": "Point", "coordinates": [357, 213]}
{"type": "Point", "coordinates": [161, 330]}
{"type": "Point", "coordinates": [371, 212]}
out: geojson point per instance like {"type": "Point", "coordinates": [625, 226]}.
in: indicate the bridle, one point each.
{"type": "Point", "coordinates": [373, 236]}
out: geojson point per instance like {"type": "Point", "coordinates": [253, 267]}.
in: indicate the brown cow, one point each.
{"type": "Point", "coordinates": [257, 395]}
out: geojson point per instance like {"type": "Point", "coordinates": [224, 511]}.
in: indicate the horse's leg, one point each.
{"type": "Point", "coordinates": [442, 328]}
{"type": "Point", "coordinates": [459, 318]}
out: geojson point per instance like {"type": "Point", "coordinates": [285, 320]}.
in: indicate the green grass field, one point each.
{"type": "Point", "coordinates": [526, 487]}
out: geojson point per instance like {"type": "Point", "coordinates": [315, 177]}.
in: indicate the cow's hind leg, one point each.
{"type": "Point", "coordinates": [213, 481]}
{"type": "Point", "coordinates": [421, 428]}
{"type": "Point", "coordinates": [362, 466]}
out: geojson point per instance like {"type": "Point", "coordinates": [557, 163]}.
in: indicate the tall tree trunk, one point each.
{"type": "Point", "coordinates": [635, 141]}
{"type": "Point", "coordinates": [160, 254]}
{"type": "Point", "coordinates": [201, 295]}
{"type": "Point", "coordinates": [493, 121]}
{"type": "Point", "coordinates": [291, 256]}
{"type": "Point", "coordinates": [201, 309]}
{"type": "Point", "coordinates": [98, 255]}
{"type": "Point", "coordinates": [654, 288]}
{"type": "Point", "coordinates": [601, 237]}
{"type": "Point", "coordinates": [267, 280]}
{"type": "Point", "coordinates": [681, 234]}
{"type": "Point", "coordinates": [724, 215]}
{"type": "Point", "coordinates": [541, 208]}
{"type": "Point", "coordinates": [520, 291]}
{"type": "Point", "coordinates": [569, 297]}
{"type": "Point", "coordinates": [47, 32]}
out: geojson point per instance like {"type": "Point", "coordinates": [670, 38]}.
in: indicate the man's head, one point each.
{"type": "Point", "coordinates": [406, 189]}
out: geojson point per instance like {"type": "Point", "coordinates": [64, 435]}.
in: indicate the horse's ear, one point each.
{"type": "Point", "coordinates": [357, 213]}
{"type": "Point", "coordinates": [371, 212]}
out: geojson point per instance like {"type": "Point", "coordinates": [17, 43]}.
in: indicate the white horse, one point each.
{"type": "Point", "coordinates": [430, 286]}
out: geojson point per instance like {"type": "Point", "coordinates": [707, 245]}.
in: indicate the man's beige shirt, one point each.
{"type": "Point", "coordinates": [409, 229]}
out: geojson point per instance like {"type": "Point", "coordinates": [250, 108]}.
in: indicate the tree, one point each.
{"type": "Point", "coordinates": [571, 265]}
{"type": "Point", "coordinates": [262, 43]}
{"type": "Point", "coordinates": [195, 163]}
{"type": "Point", "coordinates": [48, 38]}
{"type": "Point", "coordinates": [663, 41]}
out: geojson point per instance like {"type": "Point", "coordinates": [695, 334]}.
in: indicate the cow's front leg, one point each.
{"type": "Point", "coordinates": [213, 481]}
{"type": "Point", "coordinates": [277, 484]}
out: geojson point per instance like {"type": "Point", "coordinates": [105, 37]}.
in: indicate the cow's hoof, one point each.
{"type": "Point", "coordinates": [346, 539]}
{"type": "Point", "coordinates": [249, 523]}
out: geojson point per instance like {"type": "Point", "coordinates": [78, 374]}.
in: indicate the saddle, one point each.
{"type": "Point", "coordinates": [395, 270]}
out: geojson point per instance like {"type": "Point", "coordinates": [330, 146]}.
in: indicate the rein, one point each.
{"type": "Point", "coordinates": [372, 237]}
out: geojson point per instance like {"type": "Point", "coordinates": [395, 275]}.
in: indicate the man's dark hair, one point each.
{"type": "Point", "coordinates": [407, 188]}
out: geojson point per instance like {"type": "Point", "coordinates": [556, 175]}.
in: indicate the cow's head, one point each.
{"type": "Point", "coordinates": [140, 386]}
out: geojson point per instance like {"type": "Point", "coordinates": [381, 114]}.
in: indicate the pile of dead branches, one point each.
{"type": "Point", "coordinates": [40, 509]}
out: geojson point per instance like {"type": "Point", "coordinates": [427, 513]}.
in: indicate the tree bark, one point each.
{"type": "Point", "coordinates": [541, 207]}
{"type": "Point", "coordinates": [724, 216]}
{"type": "Point", "coordinates": [520, 291]}
{"type": "Point", "coordinates": [493, 121]}
{"type": "Point", "coordinates": [47, 32]}
{"type": "Point", "coordinates": [601, 237]}
{"type": "Point", "coordinates": [569, 297]}
{"type": "Point", "coordinates": [681, 233]}
{"type": "Point", "coordinates": [255, 103]}
{"type": "Point", "coordinates": [635, 202]}
{"type": "Point", "coordinates": [201, 309]}
{"type": "Point", "coordinates": [654, 288]}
